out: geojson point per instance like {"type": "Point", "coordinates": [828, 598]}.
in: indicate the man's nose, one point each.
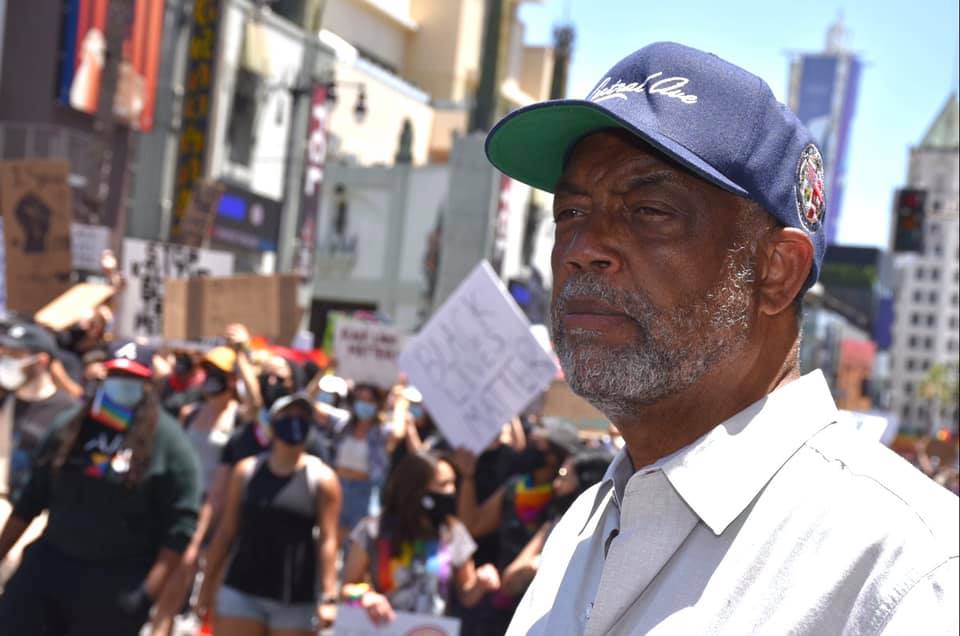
{"type": "Point", "coordinates": [592, 248]}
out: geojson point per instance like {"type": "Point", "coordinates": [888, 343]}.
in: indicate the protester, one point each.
{"type": "Point", "coordinates": [182, 389]}
{"type": "Point", "coordinates": [32, 400]}
{"type": "Point", "coordinates": [30, 404]}
{"type": "Point", "coordinates": [209, 426]}
{"type": "Point", "coordinates": [517, 509]}
{"type": "Point", "coordinates": [413, 428]}
{"type": "Point", "coordinates": [690, 221]}
{"type": "Point", "coordinates": [275, 503]}
{"type": "Point", "coordinates": [361, 456]}
{"type": "Point", "coordinates": [120, 482]}
{"type": "Point", "coordinates": [415, 554]}
{"type": "Point", "coordinates": [579, 472]}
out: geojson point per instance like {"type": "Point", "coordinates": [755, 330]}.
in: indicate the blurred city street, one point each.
{"type": "Point", "coordinates": [274, 316]}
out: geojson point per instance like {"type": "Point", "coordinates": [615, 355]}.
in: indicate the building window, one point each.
{"type": "Point", "coordinates": [920, 273]}
{"type": "Point", "coordinates": [241, 131]}
{"type": "Point", "coordinates": [938, 250]}
{"type": "Point", "coordinates": [952, 345]}
{"type": "Point", "coordinates": [917, 296]}
{"type": "Point", "coordinates": [926, 365]}
{"type": "Point", "coordinates": [913, 342]}
{"type": "Point", "coordinates": [953, 300]}
{"type": "Point", "coordinates": [934, 297]}
{"type": "Point", "coordinates": [914, 319]}
{"type": "Point", "coordinates": [953, 322]}
{"type": "Point", "coordinates": [935, 273]}
{"type": "Point", "coordinates": [910, 364]}
{"type": "Point", "coordinates": [906, 411]}
{"type": "Point", "coordinates": [931, 320]}
{"type": "Point", "coordinates": [928, 343]}
{"type": "Point", "coordinates": [908, 388]}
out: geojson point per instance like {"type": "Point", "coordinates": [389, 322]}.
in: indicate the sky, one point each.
{"type": "Point", "coordinates": [909, 49]}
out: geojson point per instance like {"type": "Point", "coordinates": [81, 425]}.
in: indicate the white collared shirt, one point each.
{"type": "Point", "coordinates": [778, 521]}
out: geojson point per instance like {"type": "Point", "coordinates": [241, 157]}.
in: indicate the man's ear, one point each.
{"type": "Point", "coordinates": [785, 259]}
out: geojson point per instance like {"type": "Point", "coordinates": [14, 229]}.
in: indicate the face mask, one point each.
{"type": "Point", "coordinates": [12, 376]}
{"type": "Point", "coordinates": [124, 391]}
{"type": "Point", "coordinates": [183, 365]}
{"type": "Point", "coordinates": [291, 429]}
{"type": "Point", "coordinates": [326, 398]}
{"type": "Point", "coordinates": [560, 504]}
{"type": "Point", "coordinates": [271, 391]}
{"type": "Point", "coordinates": [365, 410]}
{"type": "Point", "coordinates": [531, 459]}
{"type": "Point", "coordinates": [416, 411]}
{"type": "Point", "coordinates": [438, 507]}
{"type": "Point", "coordinates": [214, 384]}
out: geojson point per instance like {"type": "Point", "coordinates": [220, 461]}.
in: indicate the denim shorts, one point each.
{"type": "Point", "coordinates": [233, 603]}
{"type": "Point", "coordinates": [356, 501]}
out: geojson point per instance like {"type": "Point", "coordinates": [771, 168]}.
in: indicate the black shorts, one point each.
{"type": "Point", "coordinates": [53, 594]}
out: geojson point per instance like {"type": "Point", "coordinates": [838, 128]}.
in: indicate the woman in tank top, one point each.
{"type": "Point", "coordinates": [274, 504]}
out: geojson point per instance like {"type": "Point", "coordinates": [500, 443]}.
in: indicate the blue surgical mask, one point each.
{"type": "Point", "coordinates": [365, 410]}
{"type": "Point", "coordinates": [124, 391]}
{"type": "Point", "coordinates": [326, 398]}
{"type": "Point", "coordinates": [416, 411]}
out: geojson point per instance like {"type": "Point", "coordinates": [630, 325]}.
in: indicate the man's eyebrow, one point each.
{"type": "Point", "coordinates": [651, 179]}
{"type": "Point", "coordinates": [568, 187]}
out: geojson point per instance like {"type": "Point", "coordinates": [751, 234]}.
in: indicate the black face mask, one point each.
{"type": "Point", "coordinates": [530, 459]}
{"type": "Point", "coordinates": [183, 364]}
{"type": "Point", "coordinates": [438, 507]}
{"type": "Point", "coordinates": [271, 389]}
{"type": "Point", "coordinates": [560, 504]}
{"type": "Point", "coordinates": [291, 429]}
{"type": "Point", "coordinates": [214, 383]}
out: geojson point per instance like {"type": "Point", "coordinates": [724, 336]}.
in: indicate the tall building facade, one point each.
{"type": "Point", "coordinates": [822, 92]}
{"type": "Point", "coordinates": [926, 322]}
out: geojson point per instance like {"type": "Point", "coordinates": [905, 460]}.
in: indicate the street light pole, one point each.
{"type": "Point", "coordinates": [296, 154]}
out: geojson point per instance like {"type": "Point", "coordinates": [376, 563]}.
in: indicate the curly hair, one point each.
{"type": "Point", "coordinates": [138, 440]}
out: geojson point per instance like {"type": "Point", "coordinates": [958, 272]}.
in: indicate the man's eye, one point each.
{"type": "Point", "coordinates": [645, 210]}
{"type": "Point", "coordinates": [566, 213]}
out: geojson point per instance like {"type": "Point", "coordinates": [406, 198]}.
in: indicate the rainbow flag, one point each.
{"type": "Point", "coordinates": [111, 414]}
{"type": "Point", "coordinates": [530, 501]}
{"type": "Point", "coordinates": [435, 555]}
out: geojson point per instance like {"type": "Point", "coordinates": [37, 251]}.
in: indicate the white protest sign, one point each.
{"type": "Point", "coordinates": [87, 243]}
{"type": "Point", "coordinates": [146, 265]}
{"type": "Point", "coordinates": [367, 351]}
{"type": "Point", "coordinates": [476, 362]}
{"type": "Point", "coordinates": [353, 621]}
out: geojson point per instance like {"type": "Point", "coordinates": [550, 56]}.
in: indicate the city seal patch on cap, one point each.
{"type": "Point", "coordinates": [811, 205]}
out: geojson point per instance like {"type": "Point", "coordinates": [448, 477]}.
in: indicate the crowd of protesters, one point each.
{"type": "Point", "coordinates": [254, 491]}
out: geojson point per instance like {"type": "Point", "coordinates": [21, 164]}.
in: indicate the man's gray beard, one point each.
{"type": "Point", "coordinates": [675, 347]}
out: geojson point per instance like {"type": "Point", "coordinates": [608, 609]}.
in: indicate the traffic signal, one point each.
{"type": "Point", "coordinates": [909, 210]}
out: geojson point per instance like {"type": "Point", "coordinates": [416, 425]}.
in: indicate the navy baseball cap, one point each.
{"type": "Point", "coordinates": [713, 118]}
{"type": "Point", "coordinates": [130, 357]}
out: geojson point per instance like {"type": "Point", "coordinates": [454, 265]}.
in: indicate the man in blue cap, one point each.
{"type": "Point", "coordinates": [689, 217]}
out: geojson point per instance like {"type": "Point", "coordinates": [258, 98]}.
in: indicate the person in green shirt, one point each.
{"type": "Point", "coordinates": [120, 483]}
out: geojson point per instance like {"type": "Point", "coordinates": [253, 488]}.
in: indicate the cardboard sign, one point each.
{"type": "Point", "coordinates": [146, 266]}
{"type": "Point", "coordinates": [35, 199]}
{"type": "Point", "coordinates": [76, 303]}
{"type": "Point", "coordinates": [476, 362]}
{"type": "Point", "coordinates": [200, 213]}
{"type": "Point", "coordinates": [202, 307]}
{"type": "Point", "coordinates": [353, 621]}
{"type": "Point", "coordinates": [367, 351]}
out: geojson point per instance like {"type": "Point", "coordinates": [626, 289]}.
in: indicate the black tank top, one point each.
{"type": "Point", "coordinates": [275, 553]}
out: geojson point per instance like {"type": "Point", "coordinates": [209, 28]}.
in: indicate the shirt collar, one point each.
{"type": "Point", "coordinates": [719, 474]}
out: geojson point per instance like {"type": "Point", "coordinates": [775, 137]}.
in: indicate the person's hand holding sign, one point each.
{"type": "Point", "coordinates": [378, 608]}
